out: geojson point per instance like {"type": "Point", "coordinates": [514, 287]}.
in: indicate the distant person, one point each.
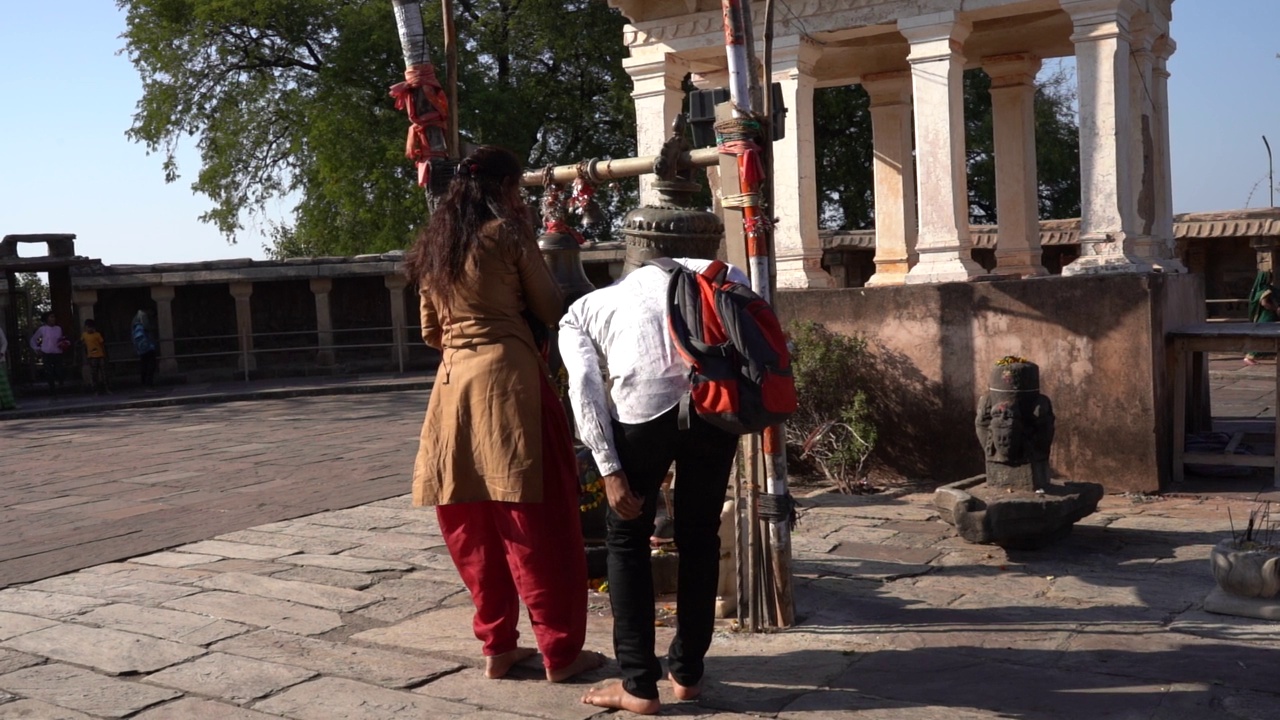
{"type": "Point", "coordinates": [496, 457]}
{"type": "Point", "coordinates": [6, 392]}
{"type": "Point", "coordinates": [1262, 306]}
{"type": "Point", "coordinates": [145, 345]}
{"type": "Point", "coordinates": [95, 353]}
{"type": "Point", "coordinates": [49, 342]}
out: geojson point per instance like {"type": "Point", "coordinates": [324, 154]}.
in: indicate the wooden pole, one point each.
{"type": "Point", "coordinates": [451, 77]}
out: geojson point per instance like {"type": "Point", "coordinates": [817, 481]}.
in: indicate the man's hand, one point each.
{"type": "Point", "coordinates": [621, 498]}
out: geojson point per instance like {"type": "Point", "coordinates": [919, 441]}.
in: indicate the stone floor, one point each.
{"type": "Point", "coordinates": [275, 569]}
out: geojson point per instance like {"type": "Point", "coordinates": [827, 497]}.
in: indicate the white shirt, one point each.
{"type": "Point", "coordinates": [623, 328]}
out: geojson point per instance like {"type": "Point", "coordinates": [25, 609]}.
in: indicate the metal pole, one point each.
{"type": "Point", "coordinates": [1271, 172]}
{"type": "Point", "coordinates": [599, 170]}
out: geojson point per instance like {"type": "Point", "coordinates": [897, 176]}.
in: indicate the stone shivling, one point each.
{"type": "Point", "coordinates": [1015, 504]}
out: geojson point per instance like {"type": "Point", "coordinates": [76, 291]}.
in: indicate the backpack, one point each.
{"type": "Point", "coordinates": [739, 364]}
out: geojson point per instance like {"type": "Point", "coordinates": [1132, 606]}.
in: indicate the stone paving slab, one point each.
{"type": "Point", "coordinates": [233, 678]}
{"type": "Point", "coordinates": [111, 651]}
{"type": "Point", "coordinates": [78, 689]}
{"type": "Point", "coordinates": [898, 618]}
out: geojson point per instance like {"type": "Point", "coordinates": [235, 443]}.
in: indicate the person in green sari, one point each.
{"type": "Point", "coordinates": [6, 393]}
{"type": "Point", "coordinates": [1262, 306]}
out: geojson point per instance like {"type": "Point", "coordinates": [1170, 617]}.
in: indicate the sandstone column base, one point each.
{"type": "Point", "coordinates": [950, 269]}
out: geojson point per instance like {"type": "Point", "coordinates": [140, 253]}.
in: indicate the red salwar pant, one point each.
{"type": "Point", "coordinates": [507, 552]}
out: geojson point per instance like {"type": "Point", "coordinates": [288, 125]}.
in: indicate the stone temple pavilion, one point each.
{"type": "Point", "coordinates": [910, 56]}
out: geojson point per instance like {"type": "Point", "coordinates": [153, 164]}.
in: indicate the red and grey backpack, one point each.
{"type": "Point", "coordinates": [739, 364]}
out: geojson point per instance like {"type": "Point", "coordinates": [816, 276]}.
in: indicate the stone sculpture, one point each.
{"type": "Point", "coordinates": [1015, 504]}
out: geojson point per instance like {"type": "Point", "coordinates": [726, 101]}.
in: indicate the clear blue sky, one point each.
{"type": "Point", "coordinates": [66, 99]}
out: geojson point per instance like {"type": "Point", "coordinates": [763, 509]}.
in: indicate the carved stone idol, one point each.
{"type": "Point", "coordinates": [1015, 426]}
{"type": "Point", "coordinates": [1015, 504]}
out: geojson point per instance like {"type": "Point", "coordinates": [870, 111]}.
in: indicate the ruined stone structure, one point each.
{"type": "Point", "coordinates": [910, 56]}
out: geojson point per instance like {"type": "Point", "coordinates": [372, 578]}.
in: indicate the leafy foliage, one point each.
{"type": "Point", "coordinates": [832, 426]}
{"type": "Point", "coordinates": [37, 295]}
{"type": "Point", "coordinates": [846, 188]}
{"type": "Point", "coordinates": [288, 99]}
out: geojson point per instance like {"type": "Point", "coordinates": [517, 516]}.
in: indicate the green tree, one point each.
{"type": "Point", "coordinates": [37, 293]}
{"type": "Point", "coordinates": [288, 99]}
{"type": "Point", "coordinates": [845, 185]}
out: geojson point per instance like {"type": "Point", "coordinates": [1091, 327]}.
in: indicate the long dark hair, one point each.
{"type": "Point", "coordinates": [483, 190]}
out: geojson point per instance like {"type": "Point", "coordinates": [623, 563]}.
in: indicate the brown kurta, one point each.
{"type": "Point", "coordinates": [482, 437]}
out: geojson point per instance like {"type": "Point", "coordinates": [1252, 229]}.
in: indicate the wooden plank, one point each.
{"type": "Point", "coordinates": [1229, 460]}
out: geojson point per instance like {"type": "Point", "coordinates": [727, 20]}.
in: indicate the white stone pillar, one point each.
{"type": "Point", "coordinates": [659, 98]}
{"type": "Point", "coordinates": [242, 292]}
{"type": "Point", "coordinates": [1107, 198]}
{"type": "Point", "coordinates": [1163, 50]}
{"type": "Point", "coordinates": [937, 71]}
{"type": "Point", "coordinates": [395, 285]}
{"type": "Point", "coordinates": [895, 176]}
{"type": "Point", "coordinates": [1013, 94]}
{"type": "Point", "coordinates": [84, 301]}
{"type": "Point", "coordinates": [163, 296]}
{"type": "Point", "coordinates": [320, 288]}
{"type": "Point", "coordinates": [797, 248]}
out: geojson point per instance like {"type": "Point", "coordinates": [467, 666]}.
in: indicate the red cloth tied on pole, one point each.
{"type": "Point", "coordinates": [424, 100]}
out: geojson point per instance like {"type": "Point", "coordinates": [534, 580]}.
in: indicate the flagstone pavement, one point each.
{"type": "Point", "coordinates": [297, 582]}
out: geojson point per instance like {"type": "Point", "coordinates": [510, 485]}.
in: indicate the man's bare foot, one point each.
{"type": "Point", "coordinates": [614, 696]}
{"type": "Point", "coordinates": [586, 660]}
{"type": "Point", "coordinates": [685, 692]}
{"type": "Point", "coordinates": [496, 666]}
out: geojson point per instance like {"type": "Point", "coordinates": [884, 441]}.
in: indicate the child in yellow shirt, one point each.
{"type": "Point", "coordinates": [95, 351]}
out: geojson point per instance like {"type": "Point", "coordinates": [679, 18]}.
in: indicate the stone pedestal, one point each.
{"type": "Point", "coordinates": [395, 285]}
{"type": "Point", "coordinates": [320, 288]}
{"type": "Point", "coordinates": [242, 292]}
{"type": "Point", "coordinates": [1019, 521]}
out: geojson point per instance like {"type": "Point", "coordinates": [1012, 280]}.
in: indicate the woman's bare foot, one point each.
{"type": "Point", "coordinates": [614, 696]}
{"type": "Point", "coordinates": [496, 666]}
{"type": "Point", "coordinates": [685, 692]}
{"type": "Point", "coordinates": [586, 660]}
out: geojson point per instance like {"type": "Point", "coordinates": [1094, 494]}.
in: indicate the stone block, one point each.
{"type": "Point", "coordinates": [242, 551]}
{"type": "Point", "coordinates": [36, 710]}
{"type": "Point", "coordinates": [260, 612]}
{"type": "Point", "coordinates": [230, 677]}
{"type": "Point", "coordinates": [183, 627]}
{"type": "Point", "coordinates": [13, 624]}
{"type": "Point", "coordinates": [321, 596]}
{"type": "Point", "coordinates": [318, 546]}
{"type": "Point", "coordinates": [329, 698]}
{"type": "Point", "coordinates": [46, 604]}
{"type": "Point", "coordinates": [536, 699]}
{"type": "Point", "coordinates": [174, 559]}
{"type": "Point", "coordinates": [325, 576]}
{"type": "Point", "coordinates": [78, 689]}
{"type": "Point", "coordinates": [117, 588]}
{"type": "Point", "coordinates": [11, 660]}
{"type": "Point", "coordinates": [371, 665]}
{"type": "Point", "coordinates": [197, 709]}
{"type": "Point", "coordinates": [111, 651]}
{"type": "Point", "coordinates": [346, 562]}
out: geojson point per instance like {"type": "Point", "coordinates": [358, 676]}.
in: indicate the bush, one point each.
{"type": "Point", "coordinates": [832, 428]}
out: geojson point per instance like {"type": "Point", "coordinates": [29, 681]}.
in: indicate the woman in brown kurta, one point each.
{"type": "Point", "coordinates": [495, 456]}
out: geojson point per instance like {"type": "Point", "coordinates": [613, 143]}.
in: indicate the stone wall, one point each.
{"type": "Point", "coordinates": [1098, 340]}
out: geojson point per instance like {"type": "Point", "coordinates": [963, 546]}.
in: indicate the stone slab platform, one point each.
{"type": "Point", "coordinates": [244, 608]}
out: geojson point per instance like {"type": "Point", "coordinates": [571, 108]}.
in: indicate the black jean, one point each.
{"type": "Point", "coordinates": [52, 369]}
{"type": "Point", "coordinates": [703, 456]}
